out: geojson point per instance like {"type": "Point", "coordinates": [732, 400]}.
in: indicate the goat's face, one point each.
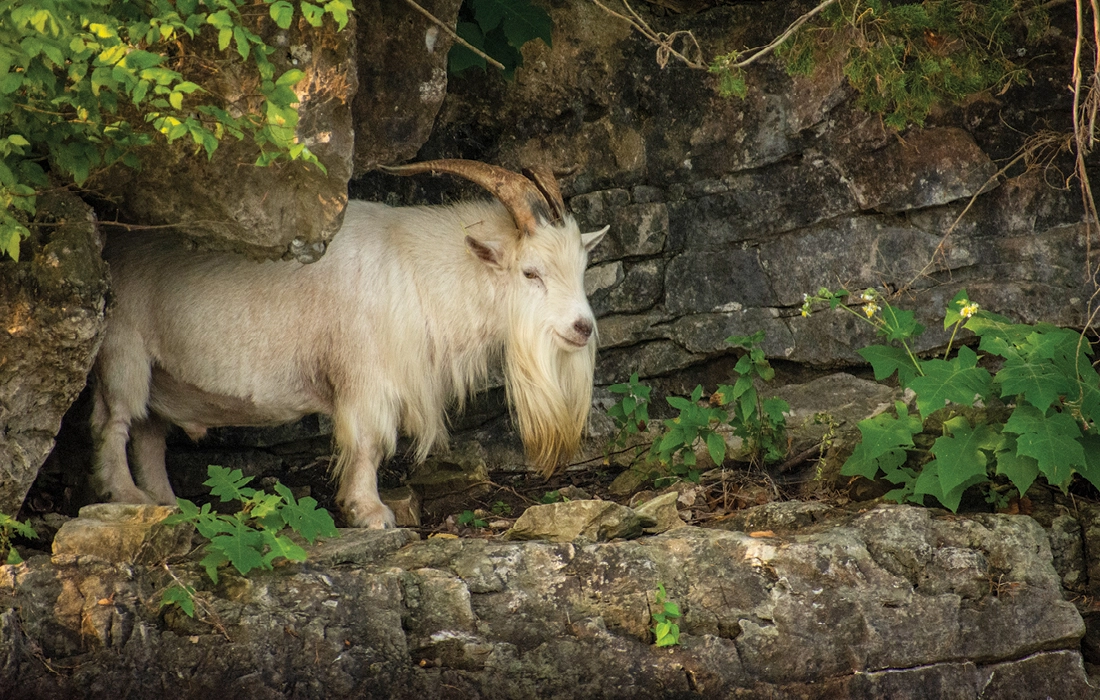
{"type": "Point", "coordinates": [548, 282]}
{"type": "Point", "coordinates": [545, 274]}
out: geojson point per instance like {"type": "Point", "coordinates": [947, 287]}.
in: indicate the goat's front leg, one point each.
{"type": "Point", "coordinates": [147, 454]}
{"type": "Point", "coordinates": [358, 491]}
{"type": "Point", "coordinates": [111, 427]}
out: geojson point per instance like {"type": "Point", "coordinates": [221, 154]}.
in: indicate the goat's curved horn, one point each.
{"type": "Point", "coordinates": [525, 199]}
{"type": "Point", "coordinates": [548, 185]}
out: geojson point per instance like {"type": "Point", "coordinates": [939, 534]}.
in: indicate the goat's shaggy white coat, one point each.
{"type": "Point", "coordinates": [398, 321]}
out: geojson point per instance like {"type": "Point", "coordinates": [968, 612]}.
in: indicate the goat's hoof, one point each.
{"type": "Point", "coordinates": [131, 494]}
{"type": "Point", "coordinates": [375, 516]}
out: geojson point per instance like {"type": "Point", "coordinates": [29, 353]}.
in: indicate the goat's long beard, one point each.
{"type": "Point", "coordinates": [550, 391]}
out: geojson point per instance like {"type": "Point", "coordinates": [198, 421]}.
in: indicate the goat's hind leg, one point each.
{"type": "Point", "coordinates": [147, 450]}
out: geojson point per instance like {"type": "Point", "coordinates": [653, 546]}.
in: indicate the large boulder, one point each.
{"type": "Point", "coordinates": [895, 602]}
{"type": "Point", "coordinates": [51, 319]}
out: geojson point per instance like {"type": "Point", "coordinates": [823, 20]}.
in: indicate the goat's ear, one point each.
{"type": "Point", "coordinates": [489, 253]}
{"type": "Point", "coordinates": [591, 240]}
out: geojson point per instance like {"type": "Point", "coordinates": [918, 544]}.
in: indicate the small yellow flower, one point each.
{"type": "Point", "coordinates": [969, 310]}
{"type": "Point", "coordinates": [868, 295]}
{"type": "Point", "coordinates": [870, 308]}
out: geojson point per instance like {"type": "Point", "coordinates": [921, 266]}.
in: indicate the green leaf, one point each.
{"type": "Point", "coordinates": [953, 314]}
{"type": "Point", "coordinates": [1021, 470]}
{"type": "Point", "coordinates": [309, 521]}
{"type": "Point", "coordinates": [243, 547]}
{"type": "Point", "coordinates": [1091, 468]}
{"type": "Point", "coordinates": [959, 380]}
{"type": "Point", "coordinates": [1054, 441]}
{"type": "Point", "coordinates": [182, 596]}
{"type": "Point", "coordinates": [339, 10]}
{"type": "Point", "coordinates": [885, 444]}
{"type": "Point", "coordinates": [213, 559]}
{"type": "Point", "coordinates": [228, 484]}
{"type": "Point", "coordinates": [716, 446]}
{"type": "Point", "coordinates": [900, 325]}
{"type": "Point", "coordinates": [313, 14]}
{"type": "Point", "coordinates": [240, 37]}
{"type": "Point", "coordinates": [962, 455]}
{"type": "Point", "coordinates": [280, 546]}
{"type": "Point", "coordinates": [887, 359]}
{"type": "Point", "coordinates": [283, 13]}
{"type": "Point", "coordinates": [928, 482]}
{"type": "Point", "coordinates": [1038, 380]}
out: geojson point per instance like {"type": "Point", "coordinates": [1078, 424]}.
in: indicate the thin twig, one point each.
{"type": "Point", "coordinates": [776, 43]}
{"type": "Point", "coordinates": [443, 25]}
{"type": "Point", "coordinates": [663, 41]}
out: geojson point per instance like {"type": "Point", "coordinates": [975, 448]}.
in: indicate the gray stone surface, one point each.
{"type": "Point", "coordinates": [894, 602]}
{"type": "Point", "coordinates": [51, 317]}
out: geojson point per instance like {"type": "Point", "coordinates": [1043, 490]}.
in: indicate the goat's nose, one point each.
{"type": "Point", "coordinates": [583, 327]}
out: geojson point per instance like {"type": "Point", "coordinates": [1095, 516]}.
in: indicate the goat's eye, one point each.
{"type": "Point", "coordinates": [531, 274]}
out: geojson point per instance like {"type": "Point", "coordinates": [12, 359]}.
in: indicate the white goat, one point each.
{"type": "Point", "coordinates": [397, 322]}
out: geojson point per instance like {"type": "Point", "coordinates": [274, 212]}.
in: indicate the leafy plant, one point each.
{"type": "Point", "coordinates": [665, 629]}
{"type": "Point", "coordinates": [1034, 416]}
{"type": "Point", "coordinates": [501, 508]}
{"type": "Point", "coordinates": [85, 83]}
{"type": "Point", "coordinates": [252, 538]}
{"type": "Point", "coordinates": [9, 526]}
{"type": "Point", "coordinates": [470, 519]}
{"type": "Point", "coordinates": [904, 58]}
{"type": "Point", "coordinates": [760, 423]}
{"type": "Point", "coordinates": [552, 497]}
{"type": "Point", "coordinates": [499, 28]}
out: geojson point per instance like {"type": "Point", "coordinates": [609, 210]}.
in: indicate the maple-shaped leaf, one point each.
{"type": "Point", "coordinates": [1036, 378]}
{"type": "Point", "coordinates": [1052, 440]}
{"type": "Point", "coordinates": [228, 484]}
{"type": "Point", "coordinates": [304, 517]}
{"type": "Point", "coordinates": [887, 359]}
{"type": "Point", "coordinates": [1091, 468]}
{"type": "Point", "coordinates": [243, 546]}
{"type": "Point", "coordinates": [958, 380]}
{"type": "Point", "coordinates": [885, 444]}
{"type": "Point", "coordinates": [899, 324]}
{"type": "Point", "coordinates": [1021, 470]}
{"type": "Point", "coordinates": [928, 482]}
{"type": "Point", "coordinates": [962, 455]}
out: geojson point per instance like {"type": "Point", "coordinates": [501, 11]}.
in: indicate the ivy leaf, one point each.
{"type": "Point", "coordinates": [958, 380]}
{"type": "Point", "coordinates": [1052, 440]}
